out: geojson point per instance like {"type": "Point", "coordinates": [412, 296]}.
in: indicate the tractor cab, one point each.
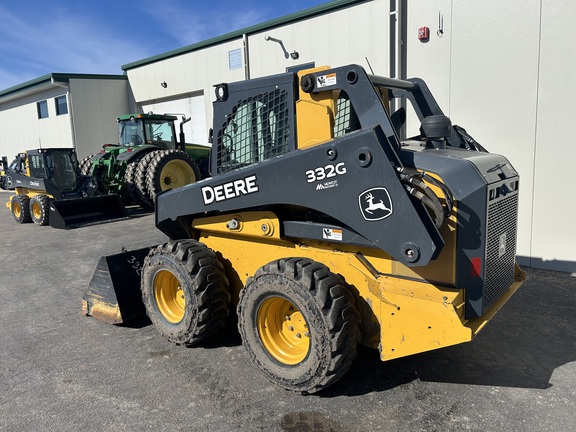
{"type": "Point", "coordinates": [147, 129]}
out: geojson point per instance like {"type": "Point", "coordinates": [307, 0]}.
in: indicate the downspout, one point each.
{"type": "Point", "coordinates": [246, 57]}
{"type": "Point", "coordinates": [398, 24]}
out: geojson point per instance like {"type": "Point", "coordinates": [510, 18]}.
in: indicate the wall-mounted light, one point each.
{"type": "Point", "coordinates": [163, 84]}
{"type": "Point", "coordinates": [295, 55]}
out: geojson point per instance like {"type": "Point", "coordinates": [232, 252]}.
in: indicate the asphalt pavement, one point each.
{"type": "Point", "coordinates": [63, 371]}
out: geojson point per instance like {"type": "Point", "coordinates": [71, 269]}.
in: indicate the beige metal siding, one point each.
{"type": "Point", "coordinates": [23, 130]}
{"type": "Point", "coordinates": [95, 106]}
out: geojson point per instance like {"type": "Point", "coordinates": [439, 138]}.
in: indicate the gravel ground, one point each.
{"type": "Point", "coordinates": [62, 371]}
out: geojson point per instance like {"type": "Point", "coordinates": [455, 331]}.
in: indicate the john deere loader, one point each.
{"type": "Point", "coordinates": [322, 230]}
{"type": "Point", "coordinates": [49, 189]}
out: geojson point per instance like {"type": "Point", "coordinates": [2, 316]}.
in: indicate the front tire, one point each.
{"type": "Point", "coordinates": [299, 324]}
{"type": "Point", "coordinates": [185, 291]}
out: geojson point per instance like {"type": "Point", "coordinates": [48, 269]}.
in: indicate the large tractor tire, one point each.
{"type": "Point", "coordinates": [170, 169]}
{"type": "Point", "coordinates": [299, 324]}
{"type": "Point", "coordinates": [40, 209]}
{"type": "Point", "coordinates": [130, 184]}
{"type": "Point", "coordinates": [86, 165]}
{"type": "Point", "coordinates": [185, 291]}
{"type": "Point", "coordinates": [145, 199]}
{"type": "Point", "coordinates": [20, 207]}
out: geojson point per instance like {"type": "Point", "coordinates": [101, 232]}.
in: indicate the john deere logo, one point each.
{"type": "Point", "coordinates": [501, 245]}
{"type": "Point", "coordinates": [375, 204]}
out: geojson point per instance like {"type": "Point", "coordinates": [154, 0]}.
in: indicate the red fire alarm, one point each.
{"type": "Point", "coordinates": [423, 34]}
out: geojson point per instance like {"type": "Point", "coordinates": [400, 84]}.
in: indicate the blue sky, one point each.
{"type": "Point", "coordinates": [39, 37]}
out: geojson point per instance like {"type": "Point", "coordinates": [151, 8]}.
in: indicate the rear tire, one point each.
{"type": "Point", "coordinates": [130, 183]}
{"type": "Point", "coordinates": [146, 200]}
{"type": "Point", "coordinates": [185, 291]}
{"type": "Point", "coordinates": [40, 209]}
{"type": "Point", "coordinates": [20, 208]}
{"type": "Point", "coordinates": [170, 169]}
{"type": "Point", "coordinates": [86, 165]}
{"type": "Point", "coordinates": [299, 324]}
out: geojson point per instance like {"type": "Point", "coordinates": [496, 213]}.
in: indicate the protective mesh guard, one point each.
{"type": "Point", "coordinates": [258, 129]}
{"type": "Point", "coordinates": [500, 248]}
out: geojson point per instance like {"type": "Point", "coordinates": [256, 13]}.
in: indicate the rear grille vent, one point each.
{"type": "Point", "coordinates": [500, 247]}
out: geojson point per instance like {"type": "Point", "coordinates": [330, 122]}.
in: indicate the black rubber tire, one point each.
{"type": "Point", "coordinates": [204, 285]}
{"type": "Point", "coordinates": [20, 208]}
{"type": "Point", "coordinates": [130, 183]}
{"type": "Point", "coordinates": [40, 209]}
{"type": "Point", "coordinates": [146, 200]}
{"type": "Point", "coordinates": [328, 308]}
{"type": "Point", "coordinates": [154, 179]}
{"type": "Point", "coordinates": [86, 165]}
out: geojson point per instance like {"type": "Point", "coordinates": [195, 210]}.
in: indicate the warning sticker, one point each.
{"type": "Point", "coordinates": [326, 80]}
{"type": "Point", "coordinates": [332, 234]}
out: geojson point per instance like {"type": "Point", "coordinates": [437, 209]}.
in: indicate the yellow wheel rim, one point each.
{"type": "Point", "coordinates": [169, 296]}
{"type": "Point", "coordinates": [283, 330]}
{"type": "Point", "coordinates": [175, 174]}
{"type": "Point", "coordinates": [16, 209]}
{"type": "Point", "coordinates": [36, 210]}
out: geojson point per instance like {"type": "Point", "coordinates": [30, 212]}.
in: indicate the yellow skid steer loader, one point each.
{"type": "Point", "coordinates": [50, 190]}
{"type": "Point", "coordinates": [323, 229]}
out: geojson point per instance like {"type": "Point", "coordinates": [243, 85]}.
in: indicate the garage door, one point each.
{"type": "Point", "coordinates": [191, 106]}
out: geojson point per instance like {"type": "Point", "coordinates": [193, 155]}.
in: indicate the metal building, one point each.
{"type": "Point", "coordinates": [500, 69]}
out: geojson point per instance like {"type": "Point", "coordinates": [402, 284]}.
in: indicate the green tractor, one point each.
{"type": "Point", "coordinates": [148, 159]}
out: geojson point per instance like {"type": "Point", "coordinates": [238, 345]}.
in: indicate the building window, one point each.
{"type": "Point", "coordinates": [61, 105]}
{"type": "Point", "coordinates": [42, 107]}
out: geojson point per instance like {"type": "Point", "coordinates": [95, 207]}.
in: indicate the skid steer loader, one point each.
{"type": "Point", "coordinates": [49, 189]}
{"type": "Point", "coordinates": [325, 230]}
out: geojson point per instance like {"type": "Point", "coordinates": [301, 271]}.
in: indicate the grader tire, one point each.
{"type": "Point", "coordinates": [170, 169]}
{"type": "Point", "coordinates": [145, 199]}
{"type": "Point", "coordinates": [40, 209]}
{"type": "Point", "coordinates": [20, 208]}
{"type": "Point", "coordinates": [185, 291]}
{"type": "Point", "coordinates": [299, 324]}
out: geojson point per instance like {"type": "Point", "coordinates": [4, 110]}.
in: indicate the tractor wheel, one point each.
{"type": "Point", "coordinates": [299, 324]}
{"type": "Point", "coordinates": [20, 207]}
{"type": "Point", "coordinates": [140, 180]}
{"type": "Point", "coordinates": [130, 183]}
{"type": "Point", "coordinates": [185, 291]}
{"type": "Point", "coordinates": [170, 169]}
{"type": "Point", "coordinates": [86, 165]}
{"type": "Point", "coordinates": [40, 209]}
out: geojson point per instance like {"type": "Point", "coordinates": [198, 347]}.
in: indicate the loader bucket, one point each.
{"type": "Point", "coordinates": [73, 213]}
{"type": "Point", "coordinates": [113, 294]}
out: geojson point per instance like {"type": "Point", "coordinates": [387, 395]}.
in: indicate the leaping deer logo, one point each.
{"type": "Point", "coordinates": [375, 204]}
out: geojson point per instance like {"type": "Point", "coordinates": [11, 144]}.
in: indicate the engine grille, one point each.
{"type": "Point", "coordinates": [500, 246]}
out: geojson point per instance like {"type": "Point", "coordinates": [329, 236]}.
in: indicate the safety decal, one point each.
{"type": "Point", "coordinates": [326, 80]}
{"type": "Point", "coordinates": [332, 234]}
{"type": "Point", "coordinates": [375, 204]}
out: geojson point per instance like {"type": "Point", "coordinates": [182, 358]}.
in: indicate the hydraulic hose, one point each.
{"type": "Point", "coordinates": [413, 181]}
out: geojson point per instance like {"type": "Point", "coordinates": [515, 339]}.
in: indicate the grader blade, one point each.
{"type": "Point", "coordinates": [74, 213]}
{"type": "Point", "coordinates": [113, 294]}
